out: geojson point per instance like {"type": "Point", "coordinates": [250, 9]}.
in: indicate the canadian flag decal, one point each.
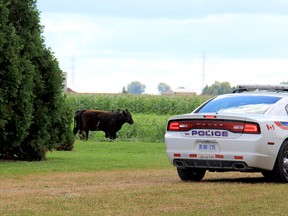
{"type": "Point", "coordinates": [270, 127]}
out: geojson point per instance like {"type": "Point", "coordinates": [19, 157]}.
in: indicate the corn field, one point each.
{"type": "Point", "coordinates": [144, 104]}
{"type": "Point", "coordinates": [150, 112]}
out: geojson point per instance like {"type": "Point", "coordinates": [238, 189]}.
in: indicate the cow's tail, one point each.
{"type": "Point", "coordinates": [77, 121]}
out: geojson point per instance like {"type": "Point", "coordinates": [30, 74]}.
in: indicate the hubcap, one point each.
{"type": "Point", "coordinates": [285, 164]}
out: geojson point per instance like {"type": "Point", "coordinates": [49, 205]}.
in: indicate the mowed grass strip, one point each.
{"type": "Point", "coordinates": [90, 156]}
{"type": "Point", "coordinates": [129, 178]}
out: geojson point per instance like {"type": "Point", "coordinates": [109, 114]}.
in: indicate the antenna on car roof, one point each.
{"type": "Point", "coordinates": [274, 88]}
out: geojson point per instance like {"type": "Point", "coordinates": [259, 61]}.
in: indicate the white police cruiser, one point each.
{"type": "Point", "coordinates": [244, 131]}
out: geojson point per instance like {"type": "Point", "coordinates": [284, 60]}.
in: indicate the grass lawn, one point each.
{"type": "Point", "coordinates": [92, 156]}
{"type": "Point", "coordinates": [129, 178]}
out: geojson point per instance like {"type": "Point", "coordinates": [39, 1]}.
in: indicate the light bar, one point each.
{"type": "Point", "coordinates": [241, 88]}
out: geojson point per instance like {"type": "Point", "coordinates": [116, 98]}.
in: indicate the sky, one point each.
{"type": "Point", "coordinates": [104, 45]}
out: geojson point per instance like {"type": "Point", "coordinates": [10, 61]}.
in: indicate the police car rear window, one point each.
{"type": "Point", "coordinates": [239, 104]}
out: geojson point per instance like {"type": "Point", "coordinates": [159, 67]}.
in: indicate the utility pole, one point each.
{"type": "Point", "coordinates": [73, 71]}
{"type": "Point", "coordinates": [203, 70]}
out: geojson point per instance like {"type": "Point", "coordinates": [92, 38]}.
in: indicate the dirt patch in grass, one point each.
{"type": "Point", "coordinates": [139, 192]}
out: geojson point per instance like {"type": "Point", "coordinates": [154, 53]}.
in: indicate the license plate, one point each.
{"type": "Point", "coordinates": [206, 156]}
{"type": "Point", "coordinates": [207, 147]}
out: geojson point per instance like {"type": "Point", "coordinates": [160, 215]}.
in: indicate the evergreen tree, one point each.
{"type": "Point", "coordinates": [34, 116]}
{"type": "Point", "coordinates": [16, 74]}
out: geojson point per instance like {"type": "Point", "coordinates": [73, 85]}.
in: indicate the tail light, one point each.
{"type": "Point", "coordinates": [233, 126]}
{"type": "Point", "coordinates": [251, 128]}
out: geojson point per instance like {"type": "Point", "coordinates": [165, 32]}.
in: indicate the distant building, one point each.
{"type": "Point", "coordinates": [180, 92]}
{"type": "Point", "coordinates": [69, 90]}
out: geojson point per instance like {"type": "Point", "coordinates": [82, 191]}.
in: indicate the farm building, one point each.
{"type": "Point", "coordinates": [180, 92]}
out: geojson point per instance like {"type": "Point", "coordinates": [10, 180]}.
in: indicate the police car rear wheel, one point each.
{"type": "Point", "coordinates": [280, 170]}
{"type": "Point", "coordinates": [190, 174]}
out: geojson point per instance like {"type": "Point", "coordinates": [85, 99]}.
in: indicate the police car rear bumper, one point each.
{"type": "Point", "coordinates": [213, 165]}
{"type": "Point", "coordinates": [219, 163]}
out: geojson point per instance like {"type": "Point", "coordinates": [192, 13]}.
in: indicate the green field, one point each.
{"type": "Point", "coordinates": [150, 112]}
{"type": "Point", "coordinates": [146, 128]}
{"type": "Point", "coordinates": [129, 178]}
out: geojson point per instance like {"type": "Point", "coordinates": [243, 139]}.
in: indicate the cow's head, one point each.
{"type": "Point", "coordinates": [128, 117]}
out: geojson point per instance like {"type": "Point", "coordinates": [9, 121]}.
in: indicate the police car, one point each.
{"type": "Point", "coordinates": [245, 131]}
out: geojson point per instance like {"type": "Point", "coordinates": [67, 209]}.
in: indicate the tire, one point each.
{"type": "Point", "coordinates": [189, 174]}
{"type": "Point", "coordinates": [280, 170]}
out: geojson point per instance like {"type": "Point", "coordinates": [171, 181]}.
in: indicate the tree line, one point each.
{"type": "Point", "coordinates": [216, 88]}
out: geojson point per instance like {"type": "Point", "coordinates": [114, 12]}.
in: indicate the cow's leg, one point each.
{"type": "Point", "coordinates": [75, 130]}
{"type": "Point", "coordinates": [86, 134]}
{"type": "Point", "coordinates": [82, 134]}
{"type": "Point", "coordinates": [76, 125]}
{"type": "Point", "coordinates": [113, 135]}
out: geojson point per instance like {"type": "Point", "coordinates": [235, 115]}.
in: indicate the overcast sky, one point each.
{"type": "Point", "coordinates": [104, 45]}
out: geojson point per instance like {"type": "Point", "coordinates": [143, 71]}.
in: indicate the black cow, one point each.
{"type": "Point", "coordinates": [99, 120]}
